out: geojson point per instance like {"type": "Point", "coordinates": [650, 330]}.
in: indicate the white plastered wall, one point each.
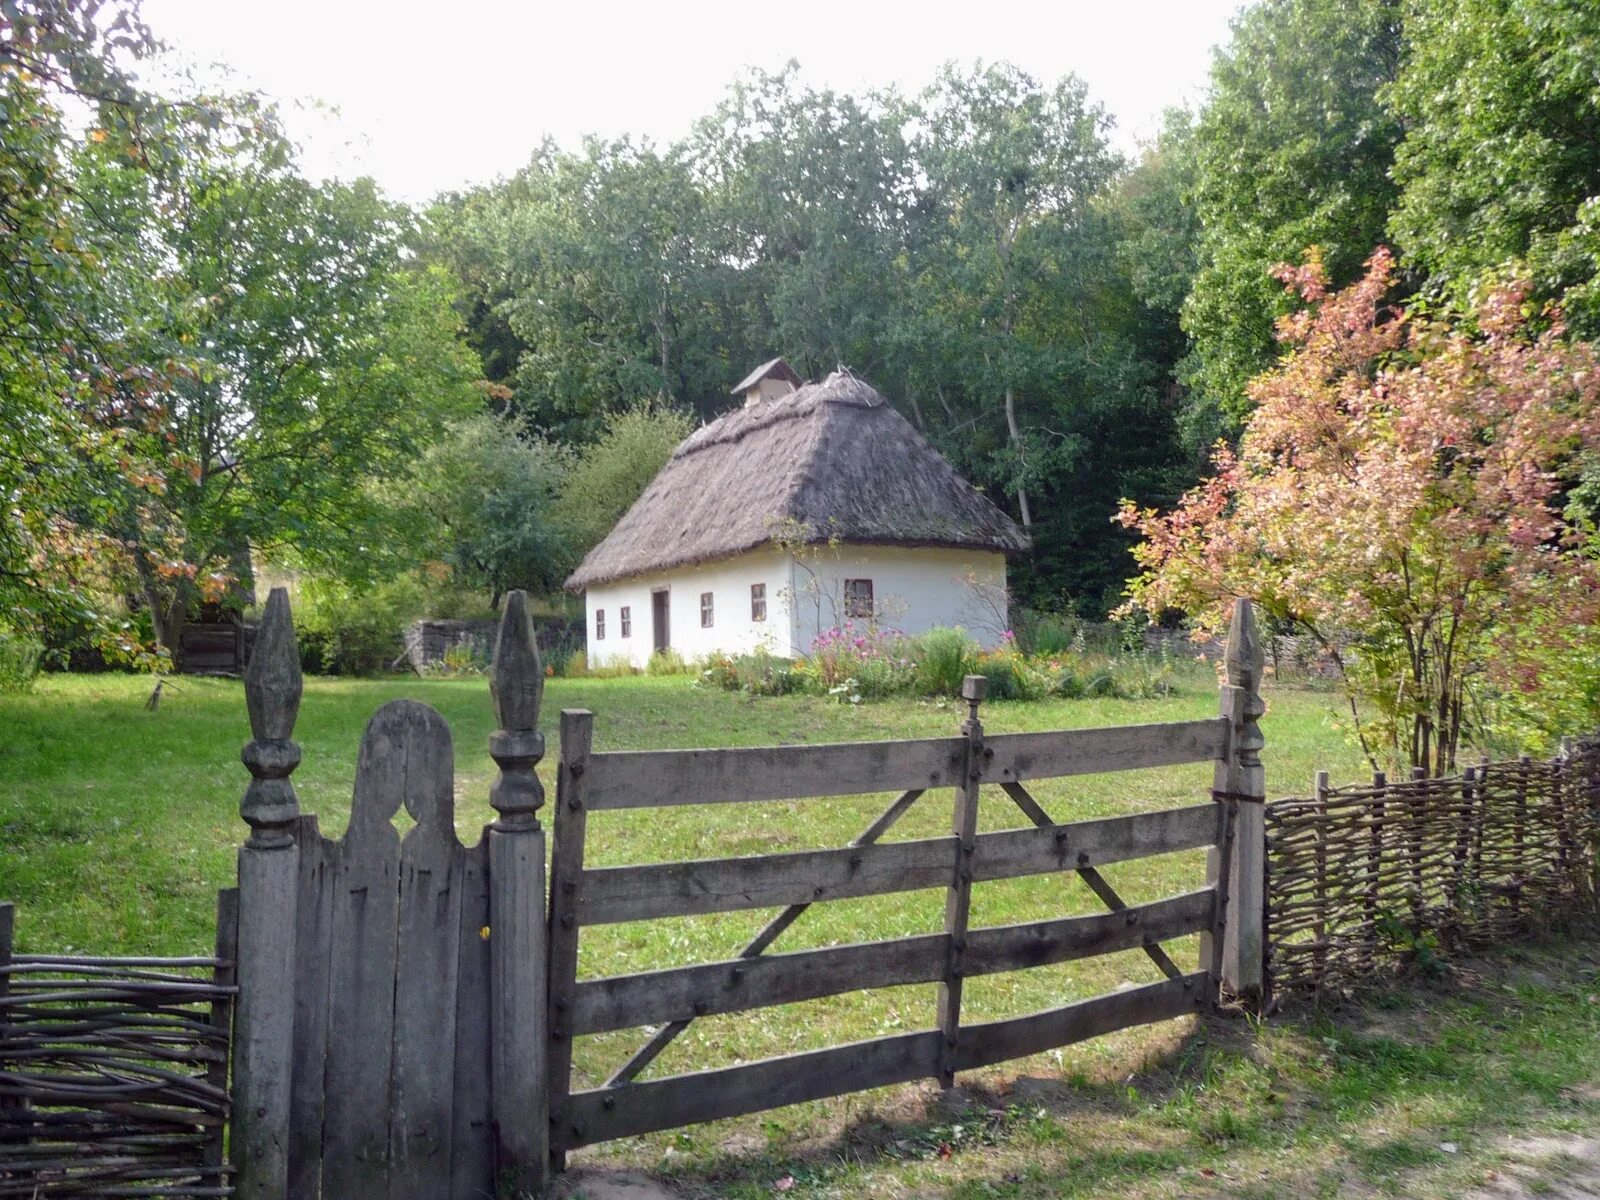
{"type": "Point", "coordinates": [913, 589]}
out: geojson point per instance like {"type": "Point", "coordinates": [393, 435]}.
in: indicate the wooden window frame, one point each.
{"type": "Point", "coordinates": [625, 621]}
{"type": "Point", "coordinates": [852, 600]}
{"type": "Point", "coordinates": [708, 611]}
{"type": "Point", "coordinates": [758, 602]}
{"type": "Point", "coordinates": [599, 624]}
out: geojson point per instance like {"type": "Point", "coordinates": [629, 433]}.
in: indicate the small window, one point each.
{"type": "Point", "coordinates": [858, 598]}
{"type": "Point", "coordinates": [625, 616]}
{"type": "Point", "coordinates": [705, 610]}
{"type": "Point", "coordinates": [758, 602]}
{"type": "Point", "coordinates": [599, 624]}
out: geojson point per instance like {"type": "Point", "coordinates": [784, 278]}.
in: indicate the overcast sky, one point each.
{"type": "Point", "coordinates": [435, 95]}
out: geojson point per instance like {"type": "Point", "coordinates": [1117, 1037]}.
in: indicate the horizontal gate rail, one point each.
{"type": "Point", "coordinates": [605, 1113]}
{"type": "Point", "coordinates": [699, 886]}
{"type": "Point", "coordinates": [738, 984]}
{"type": "Point", "coordinates": [665, 778]}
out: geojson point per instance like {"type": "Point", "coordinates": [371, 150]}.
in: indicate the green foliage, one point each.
{"type": "Point", "coordinates": [1293, 150]}
{"type": "Point", "coordinates": [610, 474]}
{"type": "Point", "coordinates": [667, 662]}
{"type": "Point", "coordinates": [344, 630]}
{"type": "Point", "coordinates": [760, 673]}
{"type": "Point", "coordinates": [1500, 101]}
{"type": "Point", "coordinates": [19, 660]}
{"type": "Point", "coordinates": [484, 498]}
{"type": "Point", "coordinates": [944, 657]}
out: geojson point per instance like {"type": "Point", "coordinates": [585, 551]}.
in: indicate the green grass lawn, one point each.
{"type": "Point", "coordinates": [119, 824]}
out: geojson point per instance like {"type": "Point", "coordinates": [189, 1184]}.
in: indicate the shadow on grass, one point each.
{"type": "Point", "coordinates": [1365, 1095]}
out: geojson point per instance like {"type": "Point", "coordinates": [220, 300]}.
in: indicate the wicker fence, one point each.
{"type": "Point", "coordinates": [114, 1072]}
{"type": "Point", "coordinates": [1363, 877]}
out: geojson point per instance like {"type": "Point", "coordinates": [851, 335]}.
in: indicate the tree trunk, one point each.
{"type": "Point", "coordinates": [1022, 458]}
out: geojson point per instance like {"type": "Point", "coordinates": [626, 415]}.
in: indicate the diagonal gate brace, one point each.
{"type": "Point", "coordinates": [1096, 881]}
{"type": "Point", "coordinates": [758, 945]}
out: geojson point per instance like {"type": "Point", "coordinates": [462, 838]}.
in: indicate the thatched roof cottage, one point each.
{"type": "Point", "coordinates": [811, 505]}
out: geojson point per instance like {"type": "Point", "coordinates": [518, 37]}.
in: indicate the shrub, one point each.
{"type": "Point", "coordinates": [873, 661]}
{"type": "Point", "coordinates": [760, 673]}
{"type": "Point", "coordinates": [19, 660]}
{"type": "Point", "coordinates": [575, 665]}
{"type": "Point", "coordinates": [943, 658]}
{"type": "Point", "coordinates": [667, 662]}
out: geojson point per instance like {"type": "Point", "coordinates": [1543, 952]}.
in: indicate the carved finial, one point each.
{"type": "Point", "coordinates": [973, 689]}
{"type": "Point", "coordinates": [272, 695]}
{"type": "Point", "coordinates": [1244, 661]}
{"type": "Point", "coordinates": [516, 683]}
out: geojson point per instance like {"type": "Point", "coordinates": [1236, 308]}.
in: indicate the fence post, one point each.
{"type": "Point", "coordinates": [1240, 781]}
{"type": "Point", "coordinates": [269, 863]}
{"type": "Point", "coordinates": [958, 899]}
{"type": "Point", "coordinates": [1319, 930]}
{"type": "Point", "coordinates": [519, 1039]}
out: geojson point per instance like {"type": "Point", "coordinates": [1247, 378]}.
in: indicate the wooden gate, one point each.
{"type": "Point", "coordinates": [583, 896]}
{"type": "Point", "coordinates": [390, 1027]}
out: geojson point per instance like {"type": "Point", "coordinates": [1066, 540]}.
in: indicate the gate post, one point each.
{"type": "Point", "coordinates": [1240, 781]}
{"type": "Point", "coordinates": [269, 864]}
{"type": "Point", "coordinates": [518, 970]}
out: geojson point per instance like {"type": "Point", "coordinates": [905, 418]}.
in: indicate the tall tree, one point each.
{"type": "Point", "coordinates": [1293, 147]}
{"type": "Point", "coordinates": [314, 358]}
{"type": "Point", "coordinates": [1500, 163]}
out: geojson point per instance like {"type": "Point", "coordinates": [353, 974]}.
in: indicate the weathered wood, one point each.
{"type": "Point", "coordinates": [313, 948]}
{"type": "Point", "coordinates": [662, 778]}
{"type": "Point", "coordinates": [268, 913]}
{"type": "Point", "coordinates": [1018, 947]}
{"type": "Point", "coordinates": [363, 931]}
{"type": "Point", "coordinates": [996, 1041]}
{"type": "Point", "coordinates": [1012, 852]}
{"type": "Point", "coordinates": [1061, 752]}
{"type": "Point", "coordinates": [1240, 777]}
{"type": "Point", "coordinates": [427, 954]}
{"type": "Point", "coordinates": [733, 985]}
{"type": "Point", "coordinates": [518, 963]}
{"type": "Point", "coordinates": [568, 885]}
{"type": "Point", "coordinates": [8, 926]}
{"type": "Point", "coordinates": [637, 893]}
{"type": "Point", "coordinates": [683, 993]}
{"type": "Point", "coordinates": [958, 896]}
{"type": "Point", "coordinates": [472, 1140]}
{"type": "Point", "coordinates": [225, 976]}
{"type": "Point", "coordinates": [765, 936]}
{"type": "Point", "coordinates": [604, 1113]}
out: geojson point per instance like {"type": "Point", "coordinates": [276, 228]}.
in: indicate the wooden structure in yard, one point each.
{"type": "Point", "coordinates": [406, 1015]}
{"type": "Point", "coordinates": [390, 1037]}
{"type": "Point", "coordinates": [582, 896]}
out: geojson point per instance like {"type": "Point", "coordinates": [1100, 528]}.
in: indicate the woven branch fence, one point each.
{"type": "Point", "coordinates": [1361, 878]}
{"type": "Point", "coordinates": [114, 1072]}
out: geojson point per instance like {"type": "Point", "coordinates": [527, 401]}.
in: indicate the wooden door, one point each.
{"type": "Point", "coordinates": [660, 614]}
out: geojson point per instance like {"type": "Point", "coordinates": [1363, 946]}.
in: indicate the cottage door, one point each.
{"type": "Point", "coordinates": [659, 613]}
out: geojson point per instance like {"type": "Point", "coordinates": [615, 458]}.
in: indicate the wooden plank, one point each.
{"type": "Point", "coordinates": [1014, 852]}
{"type": "Point", "coordinates": [1020, 756]}
{"type": "Point", "coordinates": [659, 778]}
{"type": "Point", "coordinates": [364, 921]}
{"type": "Point", "coordinates": [472, 1141]}
{"type": "Point", "coordinates": [637, 893]}
{"type": "Point", "coordinates": [568, 885]}
{"type": "Point", "coordinates": [225, 975]}
{"type": "Point", "coordinates": [318, 863]}
{"type": "Point", "coordinates": [958, 895]}
{"type": "Point", "coordinates": [605, 1113]}
{"type": "Point", "coordinates": [427, 954]}
{"type": "Point", "coordinates": [682, 993]}
{"type": "Point", "coordinates": [769, 933]}
{"type": "Point", "coordinates": [736, 984]}
{"type": "Point", "coordinates": [1018, 947]}
{"type": "Point", "coordinates": [997, 1041]}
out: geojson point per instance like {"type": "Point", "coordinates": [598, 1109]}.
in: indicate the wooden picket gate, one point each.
{"type": "Point", "coordinates": [672, 998]}
{"type": "Point", "coordinates": [407, 1004]}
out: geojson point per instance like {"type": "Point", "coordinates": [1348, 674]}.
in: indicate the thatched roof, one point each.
{"type": "Point", "coordinates": [833, 456]}
{"type": "Point", "coordinates": [777, 368]}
